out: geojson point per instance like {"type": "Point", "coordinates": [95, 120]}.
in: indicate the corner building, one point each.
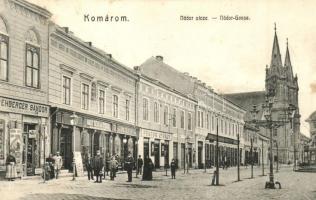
{"type": "Point", "coordinates": [24, 110]}
{"type": "Point", "coordinates": [88, 83]}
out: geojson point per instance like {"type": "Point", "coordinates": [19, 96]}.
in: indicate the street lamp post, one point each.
{"type": "Point", "coordinates": [124, 142]}
{"type": "Point", "coordinates": [262, 159]}
{"type": "Point", "coordinates": [136, 143]}
{"type": "Point", "coordinates": [73, 122]}
{"type": "Point", "coordinates": [251, 154]}
{"type": "Point", "coordinates": [238, 158]}
{"type": "Point", "coordinates": [217, 164]}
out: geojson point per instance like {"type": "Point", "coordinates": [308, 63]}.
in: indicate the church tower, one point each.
{"type": "Point", "coordinates": [283, 86]}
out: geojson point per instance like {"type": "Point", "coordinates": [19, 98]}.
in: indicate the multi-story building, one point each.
{"type": "Point", "coordinates": [24, 109]}
{"type": "Point", "coordinates": [89, 87]}
{"type": "Point", "coordinates": [211, 110]}
{"type": "Point", "coordinates": [165, 121]}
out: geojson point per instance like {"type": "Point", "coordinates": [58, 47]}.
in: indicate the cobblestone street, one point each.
{"type": "Point", "coordinates": [195, 185]}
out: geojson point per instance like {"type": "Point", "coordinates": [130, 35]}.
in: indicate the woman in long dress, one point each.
{"type": "Point", "coordinates": [147, 172]}
{"type": "Point", "coordinates": [11, 167]}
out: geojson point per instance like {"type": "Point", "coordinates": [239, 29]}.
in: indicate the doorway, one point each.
{"type": "Point", "coordinates": [183, 155]}
{"type": "Point", "coordinates": [30, 156]}
{"type": "Point", "coordinates": [66, 148]}
{"type": "Point", "coordinates": [146, 147]}
{"type": "Point", "coordinates": [166, 152]}
{"type": "Point", "coordinates": [200, 149]}
{"type": "Point", "coordinates": [157, 156]}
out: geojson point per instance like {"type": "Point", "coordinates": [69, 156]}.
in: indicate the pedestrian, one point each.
{"type": "Point", "coordinates": [51, 166]}
{"type": "Point", "coordinates": [58, 163]}
{"type": "Point", "coordinates": [129, 163]}
{"type": "Point", "coordinates": [107, 164]}
{"type": "Point", "coordinates": [89, 166]}
{"type": "Point", "coordinates": [139, 165]}
{"type": "Point", "coordinates": [98, 166]}
{"type": "Point", "coordinates": [173, 169]}
{"type": "Point", "coordinates": [11, 167]}
{"type": "Point", "coordinates": [113, 164]}
{"type": "Point", "coordinates": [148, 167]}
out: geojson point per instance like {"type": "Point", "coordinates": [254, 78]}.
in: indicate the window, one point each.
{"type": "Point", "coordinates": [222, 126]}
{"type": "Point", "coordinates": [127, 109]}
{"type": "Point", "coordinates": [207, 121]}
{"type": "Point", "coordinates": [189, 121]}
{"type": "Point", "coordinates": [165, 115]}
{"type": "Point", "coordinates": [4, 43]}
{"type": "Point", "coordinates": [85, 96]}
{"type": "Point", "coordinates": [199, 119]}
{"type": "Point", "coordinates": [156, 112]}
{"type": "Point", "coordinates": [182, 119]}
{"type": "Point", "coordinates": [32, 66]}
{"type": "Point", "coordinates": [213, 124]}
{"type": "Point", "coordinates": [115, 106]}
{"type": "Point", "coordinates": [202, 119]}
{"type": "Point", "coordinates": [101, 101]}
{"type": "Point", "coordinates": [66, 90]}
{"type": "Point", "coordinates": [174, 117]}
{"type": "Point", "coordinates": [145, 109]}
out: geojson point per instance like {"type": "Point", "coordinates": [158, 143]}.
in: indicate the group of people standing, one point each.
{"type": "Point", "coordinates": [53, 166]}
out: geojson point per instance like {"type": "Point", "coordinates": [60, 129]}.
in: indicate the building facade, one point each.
{"type": "Point", "coordinates": [24, 109]}
{"type": "Point", "coordinates": [166, 123]}
{"type": "Point", "coordinates": [88, 84]}
{"type": "Point", "coordinates": [212, 112]}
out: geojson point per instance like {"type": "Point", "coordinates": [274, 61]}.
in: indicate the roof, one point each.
{"type": "Point", "coordinates": [157, 69]}
{"type": "Point", "coordinates": [247, 100]}
{"type": "Point", "coordinates": [35, 8]}
{"type": "Point", "coordinates": [312, 117]}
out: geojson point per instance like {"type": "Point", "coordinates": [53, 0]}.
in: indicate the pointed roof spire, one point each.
{"type": "Point", "coordinates": [287, 62]}
{"type": "Point", "coordinates": [276, 55]}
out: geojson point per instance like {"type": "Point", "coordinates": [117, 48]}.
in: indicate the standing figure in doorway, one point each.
{"type": "Point", "coordinates": [173, 169]}
{"type": "Point", "coordinates": [129, 163]}
{"type": "Point", "coordinates": [51, 166]}
{"type": "Point", "coordinates": [89, 166]}
{"type": "Point", "coordinates": [58, 163]}
{"type": "Point", "coordinates": [98, 165]}
{"type": "Point", "coordinates": [11, 167]}
{"type": "Point", "coordinates": [139, 165]}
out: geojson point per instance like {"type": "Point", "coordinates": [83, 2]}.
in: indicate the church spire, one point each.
{"type": "Point", "coordinates": [276, 55]}
{"type": "Point", "coordinates": [287, 62]}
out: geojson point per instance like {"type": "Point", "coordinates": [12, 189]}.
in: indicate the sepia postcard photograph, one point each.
{"type": "Point", "coordinates": [157, 99]}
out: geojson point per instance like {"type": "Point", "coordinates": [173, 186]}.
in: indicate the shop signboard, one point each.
{"type": "Point", "coordinates": [23, 107]}
{"type": "Point", "coordinates": [79, 165]}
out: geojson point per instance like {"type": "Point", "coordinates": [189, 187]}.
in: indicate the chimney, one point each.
{"type": "Point", "coordinates": [89, 43]}
{"type": "Point", "coordinates": [66, 29]}
{"type": "Point", "coordinates": [109, 55]}
{"type": "Point", "coordinates": [136, 68]}
{"type": "Point", "coordinates": [186, 73]}
{"type": "Point", "coordinates": [159, 58]}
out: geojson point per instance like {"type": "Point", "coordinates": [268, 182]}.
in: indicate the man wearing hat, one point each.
{"type": "Point", "coordinates": [98, 165]}
{"type": "Point", "coordinates": [58, 163]}
{"type": "Point", "coordinates": [129, 164]}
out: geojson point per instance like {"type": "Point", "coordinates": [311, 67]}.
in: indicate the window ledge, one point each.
{"type": "Point", "coordinates": [20, 86]}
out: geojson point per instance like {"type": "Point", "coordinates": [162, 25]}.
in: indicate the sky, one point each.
{"type": "Point", "coordinates": [229, 55]}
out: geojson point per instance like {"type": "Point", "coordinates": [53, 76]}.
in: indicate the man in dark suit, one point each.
{"type": "Point", "coordinates": [98, 165]}
{"type": "Point", "coordinates": [89, 166]}
{"type": "Point", "coordinates": [129, 163]}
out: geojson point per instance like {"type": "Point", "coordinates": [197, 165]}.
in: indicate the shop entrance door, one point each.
{"type": "Point", "coordinates": [183, 155]}
{"type": "Point", "coordinates": [166, 152]}
{"type": "Point", "coordinates": [96, 143]}
{"type": "Point", "coordinates": [200, 149]}
{"type": "Point", "coordinates": [146, 148]}
{"type": "Point", "coordinates": [66, 148]}
{"type": "Point", "coordinates": [29, 159]}
{"type": "Point", "coordinates": [157, 157]}
{"type": "Point", "coordinates": [175, 153]}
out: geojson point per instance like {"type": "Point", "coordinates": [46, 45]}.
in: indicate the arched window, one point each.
{"type": "Point", "coordinates": [32, 60]}
{"type": "Point", "coordinates": [4, 52]}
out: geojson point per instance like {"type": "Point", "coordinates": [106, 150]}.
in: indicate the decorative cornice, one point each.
{"type": "Point", "coordinates": [117, 89]}
{"type": "Point", "coordinates": [68, 69]}
{"type": "Point", "coordinates": [37, 9]}
{"type": "Point", "coordinates": [102, 83]}
{"type": "Point", "coordinates": [86, 76]}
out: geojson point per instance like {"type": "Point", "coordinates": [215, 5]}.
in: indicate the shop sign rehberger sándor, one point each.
{"type": "Point", "coordinates": [22, 107]}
